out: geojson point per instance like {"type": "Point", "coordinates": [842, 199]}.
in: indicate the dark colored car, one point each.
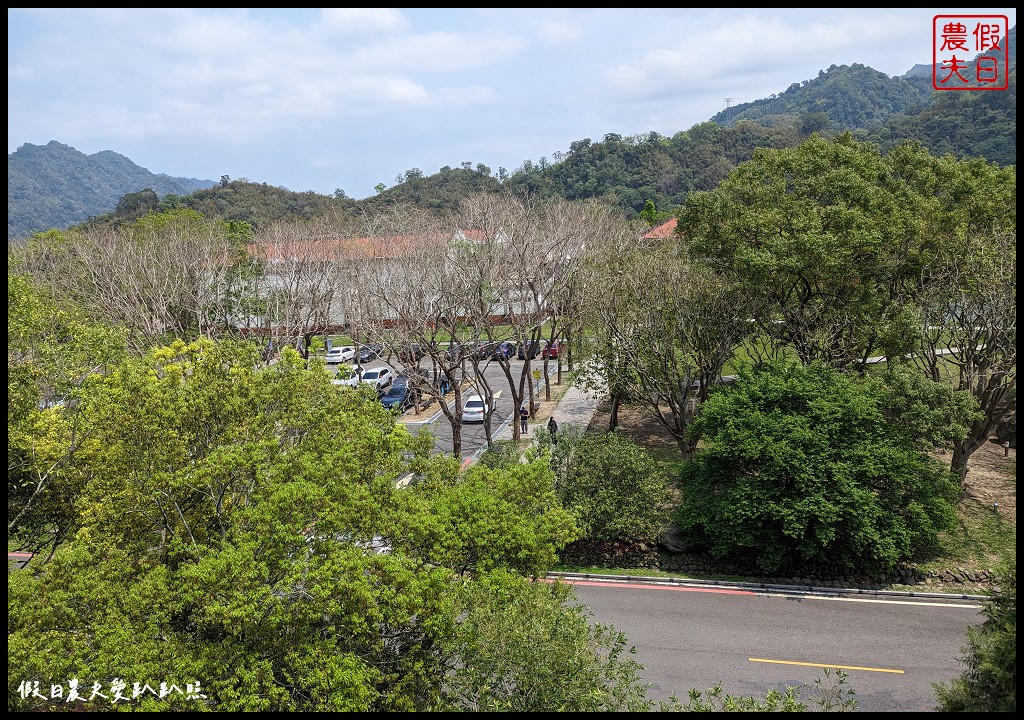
{"type": "Point", "coordinates": [370, 352]}
{"type": "Point", "coordinates": [410, 354]}
{"type": "Point", "coordinates": [531, 348]}
{"type": "Point", "coordinates": [456, 351]}
{"type": "Point", "coordinates": [399, 396]}
{"type": "Point", "coordinates": [483, 349]}
{"type": "Point", "coordinates": [504, 350]}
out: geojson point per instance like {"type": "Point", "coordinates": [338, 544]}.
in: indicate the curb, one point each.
{"type": "Point", "coordinates": [780, 589]}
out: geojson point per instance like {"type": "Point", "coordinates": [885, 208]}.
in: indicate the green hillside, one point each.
{"type": "Point", "coordinates": [56, 186]}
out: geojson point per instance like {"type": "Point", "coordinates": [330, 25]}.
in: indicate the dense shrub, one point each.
{"type": "Point", "coordinates": [989, 680]}
{"type": "Point", "coordinates": [612, 484]}
{"type": "Point", "coordinates": [804, 464]}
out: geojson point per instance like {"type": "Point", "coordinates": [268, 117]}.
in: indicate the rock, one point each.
{"type": "Point", "coordinates": [672, 541]}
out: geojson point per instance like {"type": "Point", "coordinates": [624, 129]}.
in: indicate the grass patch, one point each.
{"type": "Point", "coordinates": [646, 572]}
{"type": "Point", "coordinates": [982, 536]}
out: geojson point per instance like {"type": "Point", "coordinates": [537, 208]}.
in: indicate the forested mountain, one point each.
{"type": "Point", "coordinates": [630, 171]}
{"type": "Point", "coordinates": [978, 124]}
{"type": "Point", "coordinates": [441, 191]}
{"type": "Point", "coordinates": [55, 186]}
{"type": "Point", "coordinates": [847, 98]}
{"type": "Point", "coordinates": [237, 200]}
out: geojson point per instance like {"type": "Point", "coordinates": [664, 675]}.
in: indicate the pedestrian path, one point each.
{"type": "Point", "coordinates": [573, 406]}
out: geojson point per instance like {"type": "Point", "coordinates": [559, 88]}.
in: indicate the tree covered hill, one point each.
{"type": "Point", "coordinates": [977, 124]}
{"type": "Point", "coordinates": [56, 186]}
{"type": "Point", "coordinates": [850, 97]}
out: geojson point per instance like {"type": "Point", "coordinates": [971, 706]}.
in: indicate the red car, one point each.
{"type": "Point", "coordinates": [552, 348]}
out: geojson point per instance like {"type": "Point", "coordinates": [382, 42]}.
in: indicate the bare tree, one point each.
{"type": "Point", "coordinates": [297, 291]}
{"type": "Point", "coordinates": [415, 302]}
{"type": "Point", "coordinates": [516, 259]}
{"type": "Point", "coordinates": [598, 281]}
{"type": "Point", "coordinates": [166, 275]}
{"type": "Point", "coordinates": [668, 327]}
{"type": "Point", "coordinates": [565, 229]}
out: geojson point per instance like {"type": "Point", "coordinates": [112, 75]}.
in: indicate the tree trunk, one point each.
{"type": "Point", "coordinates": [687, 446]}
{"type": "Point", "coordinates": [547, 384]}
{"type": "Point", "coordinates": [977, 436]}
{"type": "Point", "coordinates": [517, 402]}
{"type": "Point", "coordinates": [457, 438]}
{"type": "Point", "coordinates": [613, 414]}
{"type": "Point", "coordinates": [996, 397]}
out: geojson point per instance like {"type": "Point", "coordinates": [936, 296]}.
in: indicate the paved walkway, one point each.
{"type": "Point", "coordinates": [572, 406]}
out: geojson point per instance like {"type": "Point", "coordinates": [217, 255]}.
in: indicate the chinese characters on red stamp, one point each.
{"type": "Point", "coordinates": [970, 52]}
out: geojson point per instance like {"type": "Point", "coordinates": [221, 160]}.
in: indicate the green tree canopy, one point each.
{"type": "Point", "coordinates": [831, 234]}
{"type": "Point", "coordinates": [546, 664]}
{"type": "Point", "coordinates": [804, 464]}
{"type": "Point", "coordinates": [53, 353]}
{"type": "Point", "coordinates": [241, 528]}
{"type": "Point", "coordinates": [611, 484]}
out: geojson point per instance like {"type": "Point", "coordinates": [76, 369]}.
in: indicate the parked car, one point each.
{"type": "Point", "coordinates": [456, 351]}
{"type": "Point", "coordinates": [370, 352]}
{"type": "Point", "coordinates": [504, 350]}
{"type": "Point", "coordinates": [530, 347]}
{"type": "Point", "coordinates": [346, 375]}
{"type": "Point", "coordinates": [398, 397]}
{"type": "Point", "coordinates": [474, 410]}
{"type": "Point", "coordinates": [411, 354]}
{"type": "Point", "coordinates": [341, 354]}
{"type": "Point", "coordinates": [379, 377]}
{"type": "Point", "coordinates": [553, 347]}
{"type": "Point", "coordinates": [483, 349]}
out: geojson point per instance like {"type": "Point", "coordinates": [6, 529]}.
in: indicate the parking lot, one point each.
{"type": "Point", "coordinates": [473, 434]}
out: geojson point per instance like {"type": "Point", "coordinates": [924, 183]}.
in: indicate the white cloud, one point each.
{"type": "Point", "coordinates": [559, 31]}
{"type": "Point", "coordinates": [363, 21]}
{"type": "Point", "coordinates": [345, 97]}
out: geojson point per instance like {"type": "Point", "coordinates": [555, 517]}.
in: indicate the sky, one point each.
{"type": "Point", "coordinates": [353, 98]}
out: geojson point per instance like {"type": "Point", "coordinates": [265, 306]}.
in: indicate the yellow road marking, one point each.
{"type": "Point", "coordinates": [825, 665]}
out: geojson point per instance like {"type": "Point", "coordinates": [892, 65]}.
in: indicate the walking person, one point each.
{"type": "Point", "coordinates": [552, 427]}
{"type": "Point", "coordinates": [524, 415]}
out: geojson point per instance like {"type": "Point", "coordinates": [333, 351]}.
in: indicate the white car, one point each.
{"type": "Point", "coordinates": [346, 375]}
{"type": "Point", "coordinates": [342, 354]}
{"type": "Point", "coordinates": [474, 410]}
{"type": "Point", "coordinates": [379, 377]}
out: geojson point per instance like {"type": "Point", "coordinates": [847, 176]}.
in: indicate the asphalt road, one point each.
{"type": "Point", "coordinates": [893, 649]}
